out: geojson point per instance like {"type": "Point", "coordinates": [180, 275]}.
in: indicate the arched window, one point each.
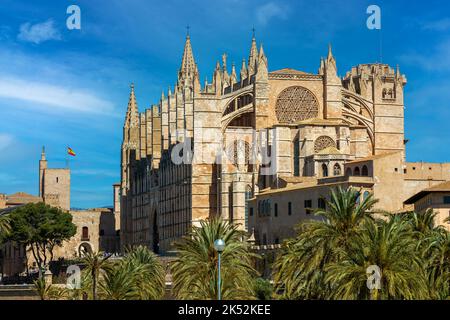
{"type": "Point", "coordinates": [337, 169]}
{"type": "Point", "coordinates": [84, 233]}
{"type": "Point", "coordinates": [324, 170]}
{"type": "Point", "coordinates": [366, 194]}
{"type": "Point", "coordinates": [365, 171]}
{"type": "Point", "coordinates": [356, 172]}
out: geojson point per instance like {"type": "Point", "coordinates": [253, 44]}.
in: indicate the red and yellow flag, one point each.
{"type": "Point", "coordinates": [71, 152]}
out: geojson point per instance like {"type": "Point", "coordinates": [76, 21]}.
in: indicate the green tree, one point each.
{"type": "Point", "coordinates": [95, 263]}
{"type": "Point", "coordinates": [299, 268]}
{"type": "Point", "coordinates": [148, 273]}
{"type": "Point", "coordinates": [391, 247]}
{"type": "Point", "coordinates": [41, 227]}
{"type": "Point", "coordinates": [117, 282]}
{"type": "Point", "coordinates": [263, 289]}
{"type": "Point", "coordinates": [194, 271]}
{"type": "Point", "coordinates": [5, 226]}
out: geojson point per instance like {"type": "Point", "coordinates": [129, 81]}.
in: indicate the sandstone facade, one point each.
{"type": "Point", "coordinates": [317, 130]}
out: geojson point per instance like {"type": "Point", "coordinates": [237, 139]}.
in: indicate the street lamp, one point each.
{"type": "Point", "coordinates": [219, 245]}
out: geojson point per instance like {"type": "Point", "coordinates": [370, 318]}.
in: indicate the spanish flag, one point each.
{"type": "Point", "coordinates": [71, 152]}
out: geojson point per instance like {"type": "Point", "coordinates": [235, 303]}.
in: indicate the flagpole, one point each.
{"type": "Point", "coordinates": [67, 159]}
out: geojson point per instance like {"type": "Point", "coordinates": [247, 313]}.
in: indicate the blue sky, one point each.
{"type": "Point", "coordinates": [62, 87]}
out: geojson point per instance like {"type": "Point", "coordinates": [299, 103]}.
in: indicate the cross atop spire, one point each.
{"type": "Point", "coordinates": [187, 30]}
{"type": "Point", "coordinates": [253, 31]}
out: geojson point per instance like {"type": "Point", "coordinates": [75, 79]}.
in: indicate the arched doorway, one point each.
{"type": "Point", "coordinates": [155, 233]}
{"type": "Point", "coordinates": [84, 248]}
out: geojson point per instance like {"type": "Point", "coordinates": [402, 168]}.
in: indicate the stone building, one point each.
{"type": "Point", "coordinates": [436, 198]}
{"type": "Point", "coordinates": [97, 229]}
{"type": "Point", "coordinates": [264, 143]}
{"type": "Point", "coordinates": [54, 184]}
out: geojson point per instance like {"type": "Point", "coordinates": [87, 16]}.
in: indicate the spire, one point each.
{"type": "Point", "coordinates": [132, 117]}
{"type": "Point", "coordinates": [188, 67]}
{"type": "Point", "coordinates": [330, 52]}
{"type": "Point", "coordinates": [262, 55]}
{"type": "Point", "coordinates": [243, 73]}
{"type": "Point", "coordinates": [322, 66]}
{"type": "Point", "coordinates": [224, 62]}
{"type": "Point", "coordinates": [330, 63]}
{"type": "Point", "coordinates": [252, 59]}
{"type": "Point", "coordinates": [233, 76]}
{"type": "Point", "coordinates": [43, 153]}
{"type": "Point", "coordinates": [261, 66]}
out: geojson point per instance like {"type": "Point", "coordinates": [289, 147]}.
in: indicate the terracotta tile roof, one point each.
{"type": "Point", "coordinates": [442, 187]}
{"type": "Point", "coordinates": [374, 157]}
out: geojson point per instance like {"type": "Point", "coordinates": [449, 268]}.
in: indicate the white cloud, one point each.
{"type": "Point", "coordinates": [270, 10]}
{"type": "Point", "coordinates": [39, 32]}
{"type": "Point", "coordinates": [436, 60]}
{"type": "Point", "coordinates": [438, 25]}
{"type": "Point", "coordinates": [53, 96]}
{"type": "Point", "coordinates": [5, 140]}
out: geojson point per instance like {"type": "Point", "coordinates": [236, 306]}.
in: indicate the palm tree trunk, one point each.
{"type": "Point", "coordinates": [94, 285]}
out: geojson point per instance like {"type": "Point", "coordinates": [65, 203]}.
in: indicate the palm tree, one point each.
{"type": "Point", "coordinates": [48, 291]}
{"type": "Point", "coordinates": [94, 264]}
{"type": "Point", "coordinates": [299, 268]}
{"type": "Point", "coordinates": [5, 226]}
{"type": "Point", "coordinates": [389, 246]}
{"type": "Point", "coordinates": [117, 283]}
{"type": "Point", "coordinates": [436, 256]}
{"type": "Point", "coordinates": [194, 271]}
{"type": "Point", "coordinates": [148, 273]}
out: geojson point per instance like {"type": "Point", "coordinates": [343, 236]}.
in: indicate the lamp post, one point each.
{"type": "Point", "coordinates": [219, 245]}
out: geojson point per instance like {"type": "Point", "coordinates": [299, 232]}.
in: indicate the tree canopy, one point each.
{"type": "Point", "coordinates": [41, 227]}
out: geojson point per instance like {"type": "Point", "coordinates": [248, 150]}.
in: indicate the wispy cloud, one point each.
{"type": "Point", "coordinates": [437, 25]}
{"type": "Point", "coordinates": [270, 10]}
{"type": "Point", "coordinates": [39, 32]}
{"type": "Point", "coordinates": [53, 96]}
{"type": "Point", "coordinates": [436, 60]}
{"type": "Point", "coordinates": [5, 140]}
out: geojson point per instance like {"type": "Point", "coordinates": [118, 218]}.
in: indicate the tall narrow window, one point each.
{"type": "Point", "coordinates": [275, 208]}
{"type": "Point", "coordinates": [296, 158]}
{"type": "Point", "coordinates": [356, 172]}
{"type": "Point", "coordinates": [337, 170]}
{"type": "Point", "coordinates": [321, 204]}
{"type": "Point", "coordinates": [289, 208]}
{"type": "Point", "coordinates": [324, 170]}
{"type": "Point", "coordinates": [248, 195]}
{"type": "Point", "coordinates": [365, 171]}
{"type": "Point", "coordinates": [85, 234]}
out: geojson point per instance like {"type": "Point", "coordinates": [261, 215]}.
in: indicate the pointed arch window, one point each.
{"type": "Point", "coordinates": [365, 171]}
{"type": "Point", "coordinates": [324, 170]}
{"type": "Point", "coordinates": [337, 170]}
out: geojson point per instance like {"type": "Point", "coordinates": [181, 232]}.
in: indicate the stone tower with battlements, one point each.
{"type": "Point", "coordinates": [54, 184]}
